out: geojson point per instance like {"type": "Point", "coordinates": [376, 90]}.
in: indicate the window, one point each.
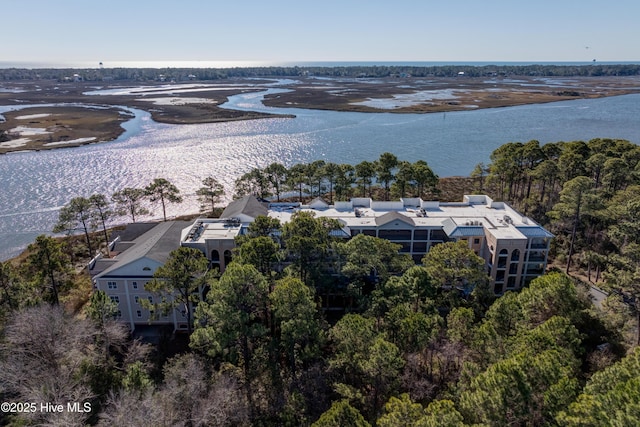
{"type": "Point", "coordinates": [395, 234]}
{"type": "Point", "coordinates": [115, 299]}
{"type": "Point", "coordinates": [112, 285]}
{"type": "Point", "coordinates": [420, 247]}
{"type": "Point", "coordinates": [135, 285]}
{"type": "Point", "coordinates": [139, 313]}
{"type": "Point", "coordinates": [438, 235]}
{"type": "Point", "coordinates": [136, 299]}
{"type": "Point", "coordinates": [476, 241]}
{"type": "Point", "coordinates": [150, 298]}
{"type": "Point", "coordinates": [421, 235]}
{"type": "Point", "coordinates": [119, 313]}
{"type": "Point", "coordinates": [513, 268]}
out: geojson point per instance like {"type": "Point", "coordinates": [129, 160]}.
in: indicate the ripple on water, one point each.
{"type": "Point", "coordinates": [35, 184]}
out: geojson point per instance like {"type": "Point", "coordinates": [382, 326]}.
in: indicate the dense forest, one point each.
{"type": "Point", "coordinates": [407, 349]}
{"type": "Point", "coordinates": [378, 71]}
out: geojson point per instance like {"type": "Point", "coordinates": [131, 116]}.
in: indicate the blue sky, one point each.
{"type": "Point", "coordinates": [67, 31]}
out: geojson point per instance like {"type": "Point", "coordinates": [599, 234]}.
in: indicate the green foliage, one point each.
{"type": "Point", "coordinates": [341, 414]}
{"type": "Point", "coordinates": [231, 320]}
{"type": "Point", "coordinates": [370, 259]}
{"type": "Point", "coordinates": [610, 398]}
{"type": "Point", "coordinates": [231, 323]}
{"type": "Point", "coordinates": [412, 331]}
{"type": "Point", "coordinates": [307, 241]}
{"type": "Point", "coordinates": [136, 379]}
{"type": "Point", "coordinates": [401, 412]}
{"type": "Point", "coordinates": [76, 214]}
{"type": "Point", "coordinates": [209, 194]}
{"type": "Point", "coordinates": [366, 364]}
{"type": "Point", "coordinates": [101, 308]}
{"type": "Point", "coordinates": [441, 413]}
{"type": "Point", "coordinates": [526, 389]}
{"type": "Point", "coordinates": [164, 191]}
{"type": "Point", "coordinates": [398, 290]}
{"type": "Point", "coordinates": [297, 316]}
{"type": "Point", "coordinates": [261, 252]}
{"type": "Point", "coordinates": [460, 325]}
{"type": "Point", "coordinates": [128, 201]}
{"type": "Point", "coordinates": [48, 266]}
{"type": "Point", "coordinates": [177, 283]}
{"type": "Point", "coordinates": [15, 291]}
{"type": "Point", "coordinates": [453, 265]}
{"type": "Point", "coordinates": [384, 168]}
{"type": "Point", "coordinates": [352, 335]}
{"type": "Point", "coordinates": [255, 182]}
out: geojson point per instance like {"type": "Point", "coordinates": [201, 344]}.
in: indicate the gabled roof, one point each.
{"type": "Point", "coordinates": [155, 244]}
{"type": "Point", "coordinates": [133, 231]}
{"type": "Point", "coordinates": [452, 229]}
{"type": "Point", "coordinates": [392, 216]}
{"type": "Point", "coordinates": [318, 203]}
{"type": "Point", "coordinates": [248, 205]}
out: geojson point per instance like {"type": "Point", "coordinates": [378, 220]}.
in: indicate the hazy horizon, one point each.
{"type": "Point", "coordinates": [287, 31]}
{"type": "Point", "coordinates": [302, 64]}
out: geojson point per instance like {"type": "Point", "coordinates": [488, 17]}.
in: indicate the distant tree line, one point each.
{"type": "Point", "coordinates": [373, 71]}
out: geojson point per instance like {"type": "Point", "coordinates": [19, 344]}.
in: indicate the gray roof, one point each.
{"type": "Point", "coordinates": [133, 231]}
{"type": "Point", "coordinates": [248, 205]}
{"type": "Point", "coordinates": [535, 231]}
{"type": "Point", "coordinates": [454, 230]}
{"type": "Point", "coordinates": [155, 244]}
{"type": "Point", "coordinates": [467, 232]}
{"type": "Point", "coordinates": [391, 216]}
{"type": "Point", "coordinates": [449, 226]}
{"type": "Point", "coordinates": [319, 202]}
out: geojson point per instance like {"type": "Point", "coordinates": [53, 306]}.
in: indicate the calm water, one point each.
{"type": "Point", "coordinates": [34, 185]}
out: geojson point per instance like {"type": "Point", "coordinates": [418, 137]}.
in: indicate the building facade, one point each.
{"type": "Point", "coordinates": [136, 255]}
{"type": "Point", "coordinates": [514, 247]}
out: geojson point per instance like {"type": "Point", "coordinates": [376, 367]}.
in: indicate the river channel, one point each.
{"type": "Point", "coordinates": [34, 185]}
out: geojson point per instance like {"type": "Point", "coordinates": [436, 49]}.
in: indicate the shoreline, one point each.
{"type": "Point", "coordinates": [199, 102]}
{"type": "Point", "coordinates": [452, 189]}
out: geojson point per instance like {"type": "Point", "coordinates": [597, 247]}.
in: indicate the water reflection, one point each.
{"type": "Point", "coordinates": [34, 185]}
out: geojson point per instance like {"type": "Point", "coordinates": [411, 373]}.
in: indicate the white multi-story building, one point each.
{"type": "Point", "coordinates": [136, 255]}
{"type": "Point", "coordinates": [514, 247]}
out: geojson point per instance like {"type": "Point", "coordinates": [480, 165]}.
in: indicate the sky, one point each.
{"type": "Point", "coordinates": [116, 31]}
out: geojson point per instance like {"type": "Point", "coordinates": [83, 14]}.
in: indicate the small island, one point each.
{"type": "Point", "coordinates": [88, 106]}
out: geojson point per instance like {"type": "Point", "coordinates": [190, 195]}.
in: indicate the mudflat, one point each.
{"type": "Point", "coordinates": [45, 128]}
{"type": "Point", "coordinates": [96, 114]}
